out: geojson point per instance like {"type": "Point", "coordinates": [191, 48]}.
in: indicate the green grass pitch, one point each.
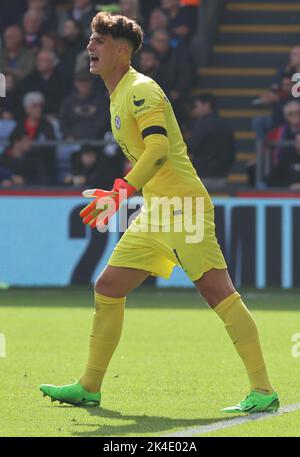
{"type": "Point", "coordinates": [175, 367]}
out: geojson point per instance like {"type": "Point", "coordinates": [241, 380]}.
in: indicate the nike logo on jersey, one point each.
{"type": "Point", "coordinates": [138, 102]}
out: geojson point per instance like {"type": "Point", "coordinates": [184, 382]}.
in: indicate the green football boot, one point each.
{"type": "Point", "coordinates": [73, 394]}
{"type": "Point", "coordinates": [256, 402]}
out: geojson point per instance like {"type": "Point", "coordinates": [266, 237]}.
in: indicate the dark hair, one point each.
{"type": "Point", "coordinates": [118, 27]}
{"type": "Point", "coordinates": [207, 98]}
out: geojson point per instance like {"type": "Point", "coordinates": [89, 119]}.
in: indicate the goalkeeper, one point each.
{"type": "Point", "coordinates": [144, 125]}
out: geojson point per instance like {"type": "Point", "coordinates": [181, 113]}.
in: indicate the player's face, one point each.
{"type": "Point", "coordinates": [103, 50]}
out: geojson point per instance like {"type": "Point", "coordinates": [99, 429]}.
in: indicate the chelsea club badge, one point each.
{"type": "Point", "coordinates": [118, 122]}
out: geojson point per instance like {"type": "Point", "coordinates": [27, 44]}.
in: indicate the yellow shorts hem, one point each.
{"type": "Point", "coordinates": [195, 277]}
{"type": "Point", "coordinates": [141, 267]}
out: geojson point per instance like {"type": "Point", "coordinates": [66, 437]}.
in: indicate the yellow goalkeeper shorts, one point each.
{"type": "Point", "coordinates": [159, 251]}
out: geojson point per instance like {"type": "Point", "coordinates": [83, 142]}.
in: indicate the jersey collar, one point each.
{"type": "Point", "coordinates": [121, 83]}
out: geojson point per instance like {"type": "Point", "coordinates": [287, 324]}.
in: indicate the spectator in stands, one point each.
{"type": "Point", "coordinates": [47, 10]}
{"type": "Point", "coordinates": [48, 80]}
{"type": "Point", "coordinates": [285, 132]}
{"type": "Point", "coordinates": [10, 107]}
{"type": "Point", "coordinates": [158, 20]}
{"type": "Point", "coordinates": [82, 62]}
{"type": "Point", "coordinates": [182, 20]}
{"type": "Point", "coordinates": [287, 172]}
{"type": "Point", "coordinates": [211, 143]}
{"type": "Point", "coordinates": [85, 169]}
{"type": "Point", "coordinates": [176, 72]}
{"type": "Point", "coordinates": [17, 164]}
{"type": "Point", "coordinates": [37, 128]}
{"type": "Point", "coordinates": [32, 23]}
{"type": "Point", "coordinates": [73, 44]}
{"type": "Point", "coordinates": [294, 61]}
{"type": "Point", "coordinates": [289, 129]}
{"type": "Point", "coordinates": [50, 41]}
{"type": "Point", "coordinates": [10, 110]}
{"type": "Point", "coordinates": [84, 114]}
{"type": "Point", "coordinates": [131, 9]}
{"type": "Point", "coordinates": [15, 59]}
{"type": "Point", "coordinates": [148, 6]}
{"type": "Point", "coordinates": [274, 99]}
{"type": "Point", "coordinates": [35, 124]}
{"type": "Point", "coordinates": [149, 63]}
{"type": "Point", "coordinates": [93, 167]}
{"type": "Point", "coordinates": [292, 66]}
{"type": "Point", "coordinates": [291, 126]}
{"type": "Point", "coordinates": [83, 12]}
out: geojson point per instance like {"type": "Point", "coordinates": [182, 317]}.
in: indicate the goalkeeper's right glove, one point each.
{"type": "Point", "coordinates": [106, 202]}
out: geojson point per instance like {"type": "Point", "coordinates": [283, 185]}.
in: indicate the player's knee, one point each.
{"type": "Point", "coordinates": [106, 285]}
{"type": "Point", "coordinates": [103, 286]}
{"type": "Point", "coordinates": [214, 294]}
{"type": "Point", "coordinates": [215, 286]}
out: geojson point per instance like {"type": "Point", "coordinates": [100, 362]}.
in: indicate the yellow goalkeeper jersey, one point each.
{"type": "Point", "coordinates": [138, 108]}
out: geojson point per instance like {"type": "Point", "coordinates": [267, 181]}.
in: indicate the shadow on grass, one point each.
{"type": "Point", "coordinates": [146, 297]}
{"type": "Point", "coordinates": [153, 425]}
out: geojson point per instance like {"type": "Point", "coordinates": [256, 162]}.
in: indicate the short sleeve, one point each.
{"type": "Point", "coordinates": [146, 104]}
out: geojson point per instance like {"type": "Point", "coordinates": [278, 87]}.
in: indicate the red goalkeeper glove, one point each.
{"type": "Point", "coordinates": [106, 203]}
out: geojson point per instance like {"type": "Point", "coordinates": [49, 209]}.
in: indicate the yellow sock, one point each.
{"type": "Point", "coordinates": [242, 330]}
{"type": "Point", "coordinates": [106, 332]}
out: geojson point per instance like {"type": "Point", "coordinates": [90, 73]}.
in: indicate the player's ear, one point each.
{"type": "Point", "coordinates": [120, 45]}
{"type": "Point", "coordinates": [125, 47]}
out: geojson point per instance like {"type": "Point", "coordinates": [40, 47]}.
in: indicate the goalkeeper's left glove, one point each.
{"type": "Point", "coordinates": [106, 202]}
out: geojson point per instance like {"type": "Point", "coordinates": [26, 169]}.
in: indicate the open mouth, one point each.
{"type": "Point", "coordinates": [94, 59]}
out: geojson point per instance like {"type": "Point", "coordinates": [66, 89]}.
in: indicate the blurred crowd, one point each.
{"type": "Point", "coordinates": [281, 126]}
{"type": "Point", "coordinates": [55, 121]}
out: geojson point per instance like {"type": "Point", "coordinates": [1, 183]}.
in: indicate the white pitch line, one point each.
{"type": "Point", "coordinates": [193, 431]}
